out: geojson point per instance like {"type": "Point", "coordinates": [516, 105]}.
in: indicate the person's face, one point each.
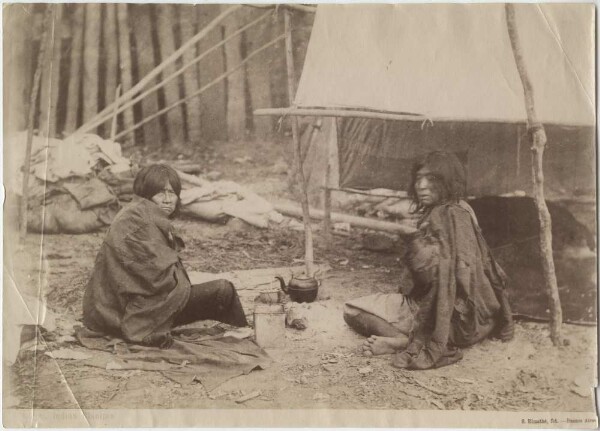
{"type": "Point", "coordinates": [166, 199]}
{"type": "Point", "coordinates": [427, 188]}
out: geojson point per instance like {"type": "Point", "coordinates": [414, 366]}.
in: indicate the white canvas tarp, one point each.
{"type": "Point", "coordinates": [452, 61]}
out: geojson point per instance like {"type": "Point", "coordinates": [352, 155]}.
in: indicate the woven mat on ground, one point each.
{"type": "Point", "coordinates": [203, 354]}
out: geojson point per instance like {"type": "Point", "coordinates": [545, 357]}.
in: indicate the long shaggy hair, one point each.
{"type": "Point", "coordinates": [152, 180]}
{"type": "Point", "coordinates": [450, 178]}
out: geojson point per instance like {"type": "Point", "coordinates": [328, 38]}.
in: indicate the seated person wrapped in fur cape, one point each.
{"type": "Point", "coordinates": [459, 291]}
{"type": "Point", "coordinates": [139, 289]}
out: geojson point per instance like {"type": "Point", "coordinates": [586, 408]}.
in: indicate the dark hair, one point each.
{"type": "Point", "coordinates": [152, 179]}
{"type": "Point", "coordinates": [449, 173]}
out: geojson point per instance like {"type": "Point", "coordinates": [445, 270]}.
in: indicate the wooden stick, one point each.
{"type": "Point", "coordinates": [293, 210]}
{"type": "Point", "coordinates": [164, 64]}
{"type": "Point", "coordinates": [75, 68]}
{"type": "Point", "coordinates": [538, 143]}
{"type": "Point", "coordinates": [291, 78]}
{"type": "Point", "coordinates": [113, 126]}
{"type": "Point", "coordinates": [31, 118]}
{"type": "Point", "coordinates": [202, 89]}
{"type": "Point", "coordinates": [183, 69]}
{"type": "Point", "coordinates": [125, 62]}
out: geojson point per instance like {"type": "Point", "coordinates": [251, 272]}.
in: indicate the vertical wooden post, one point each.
{"type": "Point", "coordinates": [142, 31]}
{"type": "Point", "coordinates": [111, 52]}
{"type": "Point", "coordinates": [213, 104]}
{"type": "Point", "coordinates": [259, 81]}
{"type": "Point", "coordinates": [166, 37]}
{"type": "Point", "coordinates": [55, 69]}
{"type": "Point", "coordinates": [236, 88]}
{"type": "Point", "coordinates": [291, 78]}
{"type": "Point", "coordinates": [46, 79]}
{"type": "Point", "coordinates": [75, 67]}
{"type": "Point", "coordinates": [125, 63]}
{"type": "Point", "coordinates": [17, 63]}
{"type": "Point", "coordinates": [327, 189]}
{"type": "Point", "coordinates": [44, 42]}
{"type": "Point", "coordinates": [187, 20]}
{"type": "Point", "coordinates": [538, 143]}
{"type": "Point", "coordinates": [91, 59]}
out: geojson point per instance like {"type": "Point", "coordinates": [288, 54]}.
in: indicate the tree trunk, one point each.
{"type": "Point", "coordinates": [291, 76]}
{"type": "Point", "coordinates": [17, 62]}
{"type": "Point", "coordinates": [75, 68]}
{"type": "Point", "coordinates": [277, 74]}
{"type": "Point", "coordinates": [538, 143]}
{"type": "Point", "coordinates": [48, 71]}
{"type": "Point", "coordinates": [259, 73]}
{"type": "Point", "coordinates": [166, 37]}
{"type": "Point", "coordinates": [42, 54]}
{"type": "Point", "coordinates": [111, 53]}
{"type": "Point", "coordinates": [213, 102]}
{"type": "Point", "coordinates": [187, 20]}
{"type": "Point", "coordinates": [142, 31]}
{"type": "Point", "coordinates": [236, 88]}
{"type": "Point", "coordinates": [91, 53]}
{"type": "Point", "coordinates": [55, 69]}
{"type": "Point", "coordinates": [125, 63]}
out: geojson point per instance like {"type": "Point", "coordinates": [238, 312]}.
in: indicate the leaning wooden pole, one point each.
{"type": "Point", "coordinates": [291, 81]}
{"type": "Point", "coordinates": [31, 118]}
{"type": "Point", "coordinates": [538, 137]}
{"type": "Point", "coordinates": [150, 77]}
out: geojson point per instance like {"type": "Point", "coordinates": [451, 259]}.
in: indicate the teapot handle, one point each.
{"type": "Point", "coordinates": [282, 283]}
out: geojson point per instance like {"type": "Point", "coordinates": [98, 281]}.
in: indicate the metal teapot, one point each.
{"type": "Point", "coordinates": [301, 289]}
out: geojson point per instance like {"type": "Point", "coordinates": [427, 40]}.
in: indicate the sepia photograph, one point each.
{"type": "Point", "coordinates": [305, 215]}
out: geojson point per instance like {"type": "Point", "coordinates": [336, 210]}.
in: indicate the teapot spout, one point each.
{"type": "Point", "coordinates": [281, 283]}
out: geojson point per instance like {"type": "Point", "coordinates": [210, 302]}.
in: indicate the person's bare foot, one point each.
{"type": "Point", "coordinates": [376, 345]}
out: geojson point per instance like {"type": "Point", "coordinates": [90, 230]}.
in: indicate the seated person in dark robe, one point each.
{"type": "Point", "coordinates": [459, 294]}
{"type": "Point", "coordinates": [139, 289]}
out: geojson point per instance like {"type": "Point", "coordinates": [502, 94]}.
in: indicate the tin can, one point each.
{"type": "Point", "coordinates": [269, 325]}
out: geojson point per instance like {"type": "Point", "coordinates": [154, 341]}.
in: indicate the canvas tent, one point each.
{"type": "Point", "coordinates": [444, 76]}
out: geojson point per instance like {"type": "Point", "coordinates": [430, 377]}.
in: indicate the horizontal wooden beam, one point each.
{"type": "Point", "coordinates": [294, 210]}
{"type": "Point", "coordinates": [383, 115]}
{"type": "Point", "coordinates": [318, 112]}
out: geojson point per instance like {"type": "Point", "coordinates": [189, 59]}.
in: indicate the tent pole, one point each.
{"type": "Point", "coordinates": [291, 80]}
{"type": "Point", "coordinates": [327, 192]}
{"type": "Point", "coordinates": [538, 142]}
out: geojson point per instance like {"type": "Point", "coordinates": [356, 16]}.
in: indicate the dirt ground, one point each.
{"type": "Point", "coordinates": [320, 367]}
